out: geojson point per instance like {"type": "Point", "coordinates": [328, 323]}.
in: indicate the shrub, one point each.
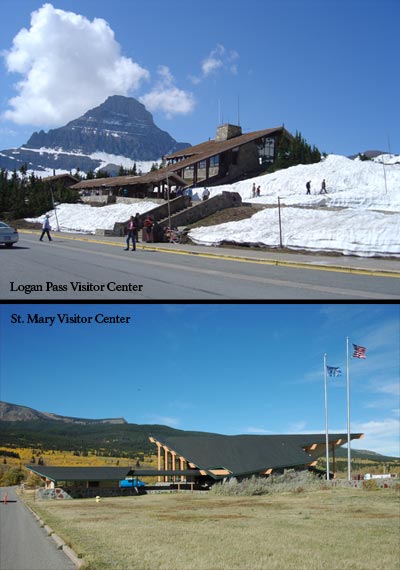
{"type": "Point", "coordinates": [12, 476]}
{"type": "Point", "coordinates": [290, 481]}
{"type": "Point", "coordinates": [370, 485]}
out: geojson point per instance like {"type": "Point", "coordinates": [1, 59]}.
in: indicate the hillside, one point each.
{"type": "Point", "coordinates": [14, 413]}
{"type": "Point", "coordinates": [359, 214]}
{"type": "Point", "coordinates": [23, 427]}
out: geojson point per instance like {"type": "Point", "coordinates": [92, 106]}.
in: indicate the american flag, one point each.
{"type": "Point", "coordinates": [333, 371]}
{"type": "Point", "coordinates": [359, 351]}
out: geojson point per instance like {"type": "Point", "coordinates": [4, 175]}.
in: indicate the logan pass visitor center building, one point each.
{"type": "Point", "coordinates": [199, 460]}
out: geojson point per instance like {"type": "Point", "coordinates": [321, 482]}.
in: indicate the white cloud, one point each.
{"type": "Point", "coordinates": [382, 436]}
{"type": "Point", "coordinates": [68, 65]}
{"type": "Point", "coordinates": [166, 97]}
{"type": "Point", "coordinates": [218, 59]}
{"type": "Point", "coordinates": [257, 430]}
{"type": "Point", "coordinates": [164, 420]}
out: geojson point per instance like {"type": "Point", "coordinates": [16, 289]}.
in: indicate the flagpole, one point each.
{"type": "Point", "coordinates": [326, 421]}
{"type": "Point", "coordinates": [348, 412]}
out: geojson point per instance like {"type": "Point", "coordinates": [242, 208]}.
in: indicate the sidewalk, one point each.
{"type": "Point", "coordinates": [342, 263]}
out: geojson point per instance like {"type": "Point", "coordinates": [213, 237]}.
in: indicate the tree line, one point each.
{"type": "Point", "coordinates": [295, 150]}
{"type": "Point", "coordinates": [27, 196]}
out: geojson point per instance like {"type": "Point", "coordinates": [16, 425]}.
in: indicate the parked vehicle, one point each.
{"type": "Point", "coordinates": [134, 482]}
{"type": "Point", "coordinates": [8, 235]}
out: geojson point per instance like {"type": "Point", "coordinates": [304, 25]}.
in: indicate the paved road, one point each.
{"type": "Point", "coordinates": [49, 271]}
{"type": "Point", "coordinates": [24, 545]}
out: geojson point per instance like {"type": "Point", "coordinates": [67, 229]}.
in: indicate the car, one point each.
{"type": "Point", "coordinates": [8, 235]}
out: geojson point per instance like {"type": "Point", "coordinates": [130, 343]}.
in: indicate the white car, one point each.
{"type": "Point", "coordinates": [8, 235]}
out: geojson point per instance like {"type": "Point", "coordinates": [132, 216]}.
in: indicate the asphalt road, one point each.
{"type": "Point", "coordinates": [76, 270]}
{"type": "Point", "coordinates": [24, 545]}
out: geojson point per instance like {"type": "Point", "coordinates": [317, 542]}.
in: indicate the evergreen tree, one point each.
{"type": "Point", "coordinates": [296, 150]}
{"type": "Point", "coordinates": [102, 174]}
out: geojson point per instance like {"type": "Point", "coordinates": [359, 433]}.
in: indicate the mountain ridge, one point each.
{"type": "Point", "coordinates": [44, 429]}
{"type": "Point", "coordinates": [120, 126]}
{"type": "Point", "coordinates": [14, 413]}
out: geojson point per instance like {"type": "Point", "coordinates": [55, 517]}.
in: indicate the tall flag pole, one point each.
{"type": "Point", "coordinates": [358, 352]}
{"type": "Point", "coordinates": [348, 412]}
{"type": "Point", "coordinates": [331, 371]}
{"type": "Point", "coordinates": [326, 421]}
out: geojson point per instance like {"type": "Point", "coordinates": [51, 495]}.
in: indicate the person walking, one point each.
{"type": "Point", "coordinates": [323, 187]}
{"type": "Point", "coordinates": [308, 186]}
{"type": "Point", "coordinates": [46, 228]}
{"type": "Point", "coordinates": [131, 234]}
{"type": "Point", "coordinates": [258, 191]}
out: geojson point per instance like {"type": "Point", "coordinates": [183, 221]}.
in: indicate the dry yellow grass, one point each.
{"type": "Point", "coordinates": [346, 529]}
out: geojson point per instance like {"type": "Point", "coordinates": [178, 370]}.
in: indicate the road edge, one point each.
{"type": "Point", "coordinates": [60, 543]}
{"type": "Point", "coordinates": [243, 258]}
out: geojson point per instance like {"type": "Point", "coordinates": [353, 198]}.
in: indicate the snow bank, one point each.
{"type": "Point", "coordinates": [350, 231]}
{"type": "Point", "coordinates": [83, 218]}
{"type": "Point", "coordinates": [360, 214]}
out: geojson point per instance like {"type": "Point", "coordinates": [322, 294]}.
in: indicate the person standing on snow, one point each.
{"type": "Point", "coordinates": [308, 186]}
{"type": "Point", "coordinates": [46, 228]}
{"type": "Point", "coordinates": [323, 187]}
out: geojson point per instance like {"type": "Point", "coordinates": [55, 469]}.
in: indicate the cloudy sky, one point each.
{"type": "Point", "coordinates": [324, 67]}
{"type": "Point", "coordinates": [232, 369]}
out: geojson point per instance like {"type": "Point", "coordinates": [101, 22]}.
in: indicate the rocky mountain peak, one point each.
{"type": "Point", "coordinates": [121, 127]}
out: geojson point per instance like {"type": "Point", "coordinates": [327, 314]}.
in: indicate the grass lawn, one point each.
{"type": "Point", "coordinates": [335, 529]}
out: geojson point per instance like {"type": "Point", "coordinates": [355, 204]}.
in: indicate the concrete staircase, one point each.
{"type": "Point", "coordinates": [181, 211]}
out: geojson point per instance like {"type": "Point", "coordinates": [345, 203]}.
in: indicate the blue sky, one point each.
{"type": "Point", "coordinates": [327, 68]}
{"type": "Point", "coordinates": [225, 368]}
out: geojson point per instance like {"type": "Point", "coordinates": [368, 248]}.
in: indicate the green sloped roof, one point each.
{"type": "Point", "coordinates": [80, 473]}
{"type": "Point", "coordinates": [244, 454]}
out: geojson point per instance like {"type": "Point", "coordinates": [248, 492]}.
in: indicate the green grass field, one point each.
{"type": "Point", "coordinates": [337, 529]}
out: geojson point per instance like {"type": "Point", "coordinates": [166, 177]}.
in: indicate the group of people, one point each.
{"type": "Point", "coordinates": [255, 191]}
{"type": "Point", "coordinates": [134, 225]}
{"type": "Point", "coordinates": [323, 187]}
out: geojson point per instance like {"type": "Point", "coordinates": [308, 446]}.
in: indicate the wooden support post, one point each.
{"type": "Point", "coordinates": [173, 464]}
{"type": "Point", "coordinates": [165, 462]}
{"type": "Point", "coordinates": [159, 460]}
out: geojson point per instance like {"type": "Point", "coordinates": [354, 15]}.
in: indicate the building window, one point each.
{"type": "Point", "coordinates": [266, 150]}
{"type": "Point", "coordinates": [214, 160]}
{"type": "Point", "coordinates": [202, 164]}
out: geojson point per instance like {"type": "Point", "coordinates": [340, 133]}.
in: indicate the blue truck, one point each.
{"type": "Point", "coordinates": [129, 483]}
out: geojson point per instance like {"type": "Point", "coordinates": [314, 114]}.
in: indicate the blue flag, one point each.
{"type": "Point", "coordinates": [333, 371]}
